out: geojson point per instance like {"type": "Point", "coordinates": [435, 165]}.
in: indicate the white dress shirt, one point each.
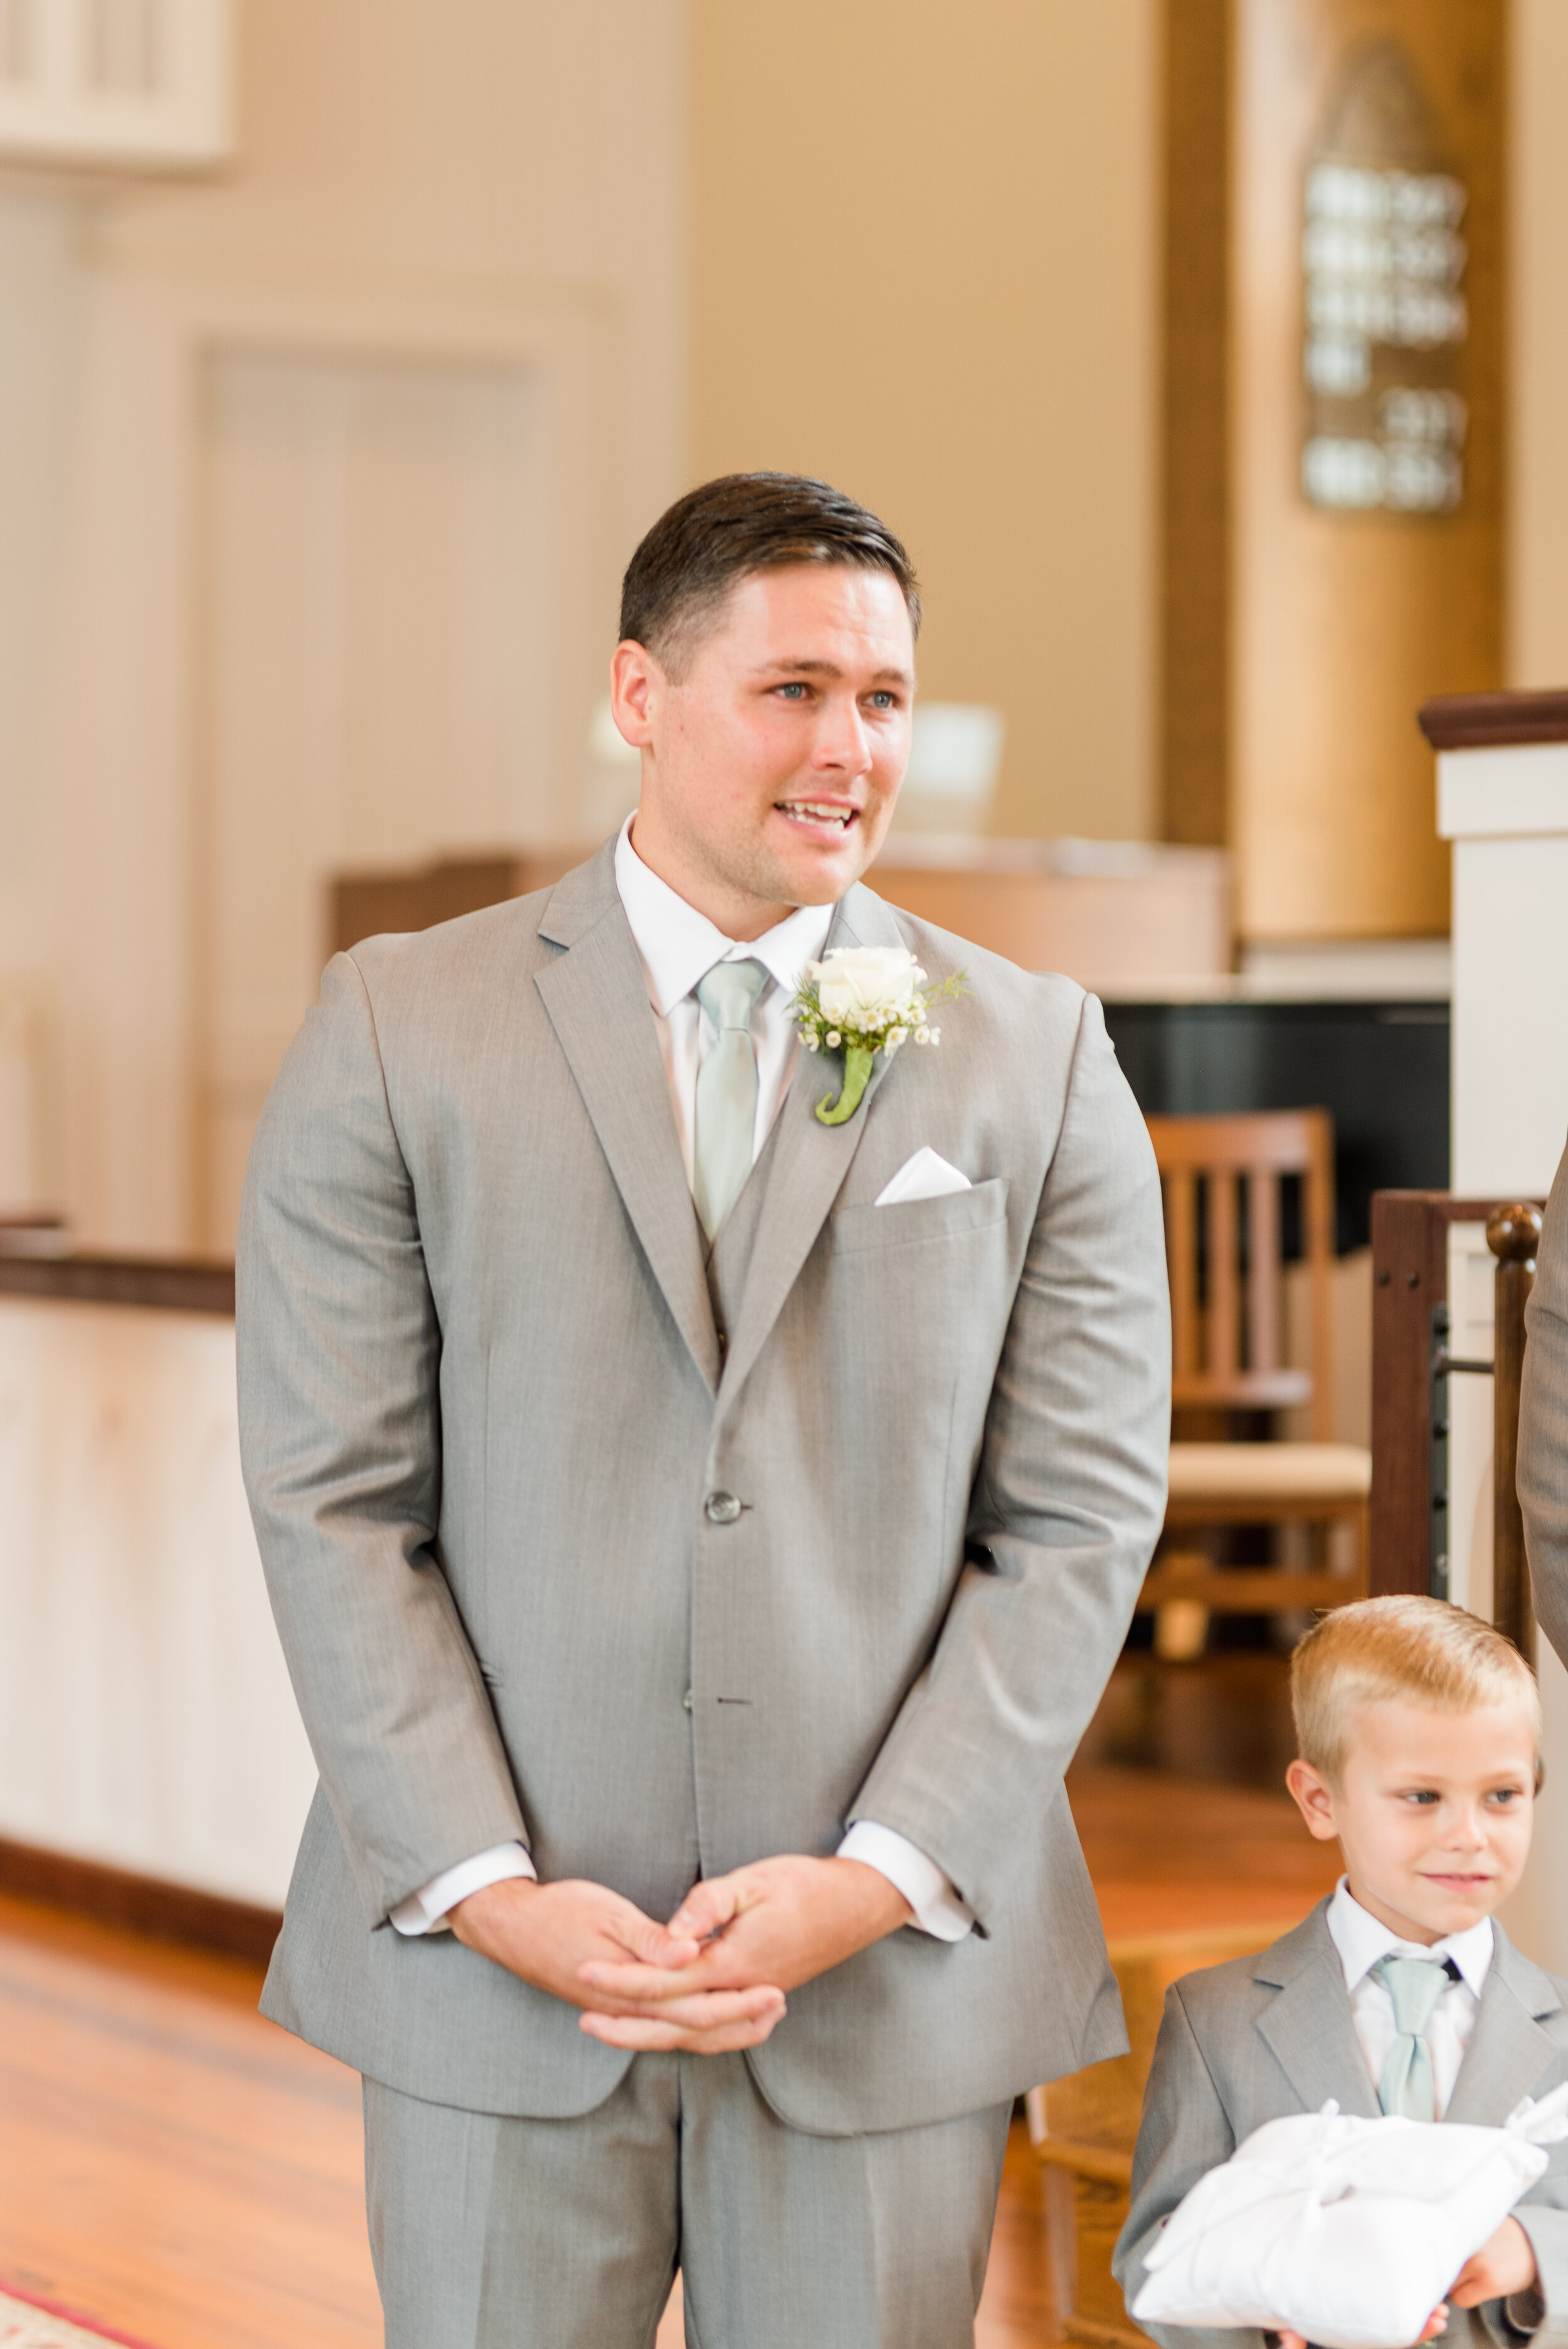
{"type": "Point", "coordinates": [1361, 1942]}
{"type": "Point", "coordinates": [678, 946]}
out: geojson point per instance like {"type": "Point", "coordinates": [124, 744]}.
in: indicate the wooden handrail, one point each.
{"type": "Point", "coordinates": [1512, 1233]}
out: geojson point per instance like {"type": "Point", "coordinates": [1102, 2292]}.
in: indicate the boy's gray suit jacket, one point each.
{"type": "Point", "coordinates": [1249, 2042]}
{"type": "Point", "coordinates": [484, 1406]}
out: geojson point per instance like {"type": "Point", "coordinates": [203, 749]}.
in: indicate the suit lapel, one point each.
{"type": "Point", "coordinates": [809, 1162]}
{"type": "Point", "coordinates": [597, 1001]}
{"type": "Point", "coordinates": [1509, 2054]}
{"type": "Point", "coordinates": [1308, 2026]}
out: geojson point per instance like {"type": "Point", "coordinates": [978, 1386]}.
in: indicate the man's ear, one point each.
{"type": "Point", "coordinates": [636, 684]}
{"type": "Point", "coordinates": [1313, 1799]}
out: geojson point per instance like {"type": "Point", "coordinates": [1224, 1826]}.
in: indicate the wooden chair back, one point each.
{"type": "Point", "coordinates": [1222, 1179]}
{"type": "Point", "coordinates": [1091, 2123]}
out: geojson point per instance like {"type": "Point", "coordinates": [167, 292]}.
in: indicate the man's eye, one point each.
{"type": "Point", "coordinates": [795, 690]}
{"type": "Point", "coordinates": [883, 701]}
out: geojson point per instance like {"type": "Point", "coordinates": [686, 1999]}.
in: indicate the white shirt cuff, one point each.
{"type": "Point", "coordinates": [937, 1909]}
{"type": "Point", "coordinates": [427, 1910]}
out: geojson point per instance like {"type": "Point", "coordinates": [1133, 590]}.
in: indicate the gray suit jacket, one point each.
{"type": "Point", "coordinates": [1542, 1472]}
{"type": "Point", "coordinates": [1249, 2042]}
{"type": "Point", "coordinates": [482, 1401]}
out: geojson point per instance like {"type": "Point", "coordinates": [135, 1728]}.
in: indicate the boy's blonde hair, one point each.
{"type": "Point", "coordinates": [1422, 1650]}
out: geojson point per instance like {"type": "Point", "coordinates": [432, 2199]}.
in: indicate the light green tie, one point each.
{"type": "Point", "coordinates": [1415, 1985]}
{"type": "Point", "coordinates": [726, 1091]}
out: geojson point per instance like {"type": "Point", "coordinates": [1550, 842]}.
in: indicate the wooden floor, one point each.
{"type": "Point", "coordinates": [175, 2168]}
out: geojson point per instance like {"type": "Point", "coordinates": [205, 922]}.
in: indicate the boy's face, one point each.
{"type": "Point", "coordinates": [1433, 1812]}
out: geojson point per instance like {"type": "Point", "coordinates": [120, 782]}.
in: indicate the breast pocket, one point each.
{"type": "Point", "coordinates": [916, 1223]}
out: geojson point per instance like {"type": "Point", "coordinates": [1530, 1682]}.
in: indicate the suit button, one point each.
{"type": "Point", "coordinates": [721, 1508]}
{"type": "Point", "coordinates": [686, 1701]}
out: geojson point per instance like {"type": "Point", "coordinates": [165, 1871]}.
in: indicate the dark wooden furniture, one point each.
{"type": "Point", "coordinates": [364, 905]}
{"type": "Point", "coordinates": [1476, 721]}
{"type": "Point", "coordinates": [173, 1284]}
{"type": "Point", "coordinates": [1513, 1235]}
{"type": "Point", "coordinates": [1411, 1364]}
{"type": "Point", "coordinates": [1222, 1179]}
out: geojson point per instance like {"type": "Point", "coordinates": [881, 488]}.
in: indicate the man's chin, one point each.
{"type": "Point", "coordinates": [818, 873]}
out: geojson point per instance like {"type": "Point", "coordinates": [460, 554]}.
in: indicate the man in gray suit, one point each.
{"type": "Point", "coordinates": [700, 1533]}
{"type": "Point", "coordinates": [1543, 1471]}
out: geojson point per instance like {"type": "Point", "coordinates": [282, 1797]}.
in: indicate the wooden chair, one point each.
{"type": "Point", "coordinates": [1084, 2129]}
{"type": "Point", "coordinates": [1222, 1179]}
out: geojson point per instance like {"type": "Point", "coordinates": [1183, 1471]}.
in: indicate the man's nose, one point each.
{"type": "Point", "coordinates": [841, 737]}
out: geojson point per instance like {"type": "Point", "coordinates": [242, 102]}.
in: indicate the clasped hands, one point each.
{"type": "Point", "coordinates": [1505, 2264]}
{"type": "Point", "coordinates": [715, 1978]}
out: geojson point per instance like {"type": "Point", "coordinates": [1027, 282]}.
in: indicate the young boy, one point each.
{"type": "Point", "coordinates": [1418, 1729]}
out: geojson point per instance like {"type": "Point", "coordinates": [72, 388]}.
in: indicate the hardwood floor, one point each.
{"type": "Point", "coordinates": [170, 2164]}
{"type": "Point", "coordinates": [174, 2167]}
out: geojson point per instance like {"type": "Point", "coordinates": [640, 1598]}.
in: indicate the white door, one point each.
{"type": "Point", "coordinates": [375, 670]}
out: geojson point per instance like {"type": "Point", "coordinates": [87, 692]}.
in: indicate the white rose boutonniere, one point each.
{"type": "Point", "coordinates": [862, 1000]}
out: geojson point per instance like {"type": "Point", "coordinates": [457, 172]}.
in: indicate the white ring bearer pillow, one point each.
{"type": "Point", "coordinates": [1348, 2231]}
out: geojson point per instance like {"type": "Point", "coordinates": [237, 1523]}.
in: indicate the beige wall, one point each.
{"type": "Point", "coordinates": [1538, 472]}
{"type": "Point", "coordinates": [486, 195]}
{"type": "Point", "coordinates": [923, 264]}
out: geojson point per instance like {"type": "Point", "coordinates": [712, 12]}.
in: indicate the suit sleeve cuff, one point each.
{"type": "Point", "coordinates": [937, 1909]}
{"type": "Point", "coordinates": [427, 1910]}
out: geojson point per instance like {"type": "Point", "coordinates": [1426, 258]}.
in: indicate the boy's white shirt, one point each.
{"type": "Point", "coordinates": [677, 947]}
{"type": "Point", "coordinates": [1361, 1940]}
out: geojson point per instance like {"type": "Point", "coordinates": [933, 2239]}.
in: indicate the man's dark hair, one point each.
{"type": "Point", "coordinates": [681, 575]}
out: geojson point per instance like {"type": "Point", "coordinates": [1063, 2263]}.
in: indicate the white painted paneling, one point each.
{"type": "Point", "coordinates": [146, 83]}
{"type": "Point", "coordinates": [1510, 1111]}
{"type": "Point", "coordinates": [377, 641]}
{"type": "Point", "coordinates": [1507, 813]}
{"type": "Point", "coordinates": [1471, 1290]}
{"type": "Point", "coordinates": [146, 1717]}
{"type": "Point", "coordinates": [23, 1186]}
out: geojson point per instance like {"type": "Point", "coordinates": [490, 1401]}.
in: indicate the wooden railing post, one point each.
{"type": "Point", "coordinates": [1512, 1234]}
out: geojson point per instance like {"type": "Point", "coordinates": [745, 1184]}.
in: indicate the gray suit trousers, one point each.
{"type": "Point", "coordinates": [494, 2232]}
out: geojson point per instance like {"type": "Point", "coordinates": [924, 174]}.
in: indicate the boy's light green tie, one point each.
{"type": "Point", "coordinates": [726, 1091]}
{"type": "Point", "coordinates": [1415, 1985]}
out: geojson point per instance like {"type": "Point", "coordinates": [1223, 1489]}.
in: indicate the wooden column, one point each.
{"type": "Point", "coordinates": [1195, 626]}
{"type": "Point", "coordinates": [1335, 327]}
{"type": "Point", "coordinates": [1345, 617]}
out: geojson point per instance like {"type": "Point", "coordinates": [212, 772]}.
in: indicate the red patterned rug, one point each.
{"type": "Point", "coordinates": [28, 2321]}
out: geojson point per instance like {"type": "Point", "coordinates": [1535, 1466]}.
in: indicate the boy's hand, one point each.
{"type": "Point", "coordinates": [1504, 2263]}
{"type": "Point", "coordinates": [1434, 2325]}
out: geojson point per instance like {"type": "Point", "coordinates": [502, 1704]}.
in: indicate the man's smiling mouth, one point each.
{"type": "Point", "coordinates": [814, 811]}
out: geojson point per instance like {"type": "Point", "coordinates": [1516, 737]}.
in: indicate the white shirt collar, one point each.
{"type": "Point", "coordinates": [678, 945]}
{"type": "Point", "coordinates": [1361, 1940]}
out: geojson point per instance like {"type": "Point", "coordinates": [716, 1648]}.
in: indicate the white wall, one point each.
{"type": "Point", "coordinates": [146, 1717]}
{"type": "Point", "coordinates": [926, 264]}
{"type": "Point", "coordinates": [495, 184]}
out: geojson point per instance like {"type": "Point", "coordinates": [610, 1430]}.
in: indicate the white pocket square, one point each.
{"type": "Point", "coordinates": [926, 1175]}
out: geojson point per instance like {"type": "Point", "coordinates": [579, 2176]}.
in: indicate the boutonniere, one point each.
{"type": "Point", "coordinates": [862, 1000]}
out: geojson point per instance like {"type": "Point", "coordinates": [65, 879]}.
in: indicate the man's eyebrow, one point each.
{"type": "Point", "coordinates": [830, 669]}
